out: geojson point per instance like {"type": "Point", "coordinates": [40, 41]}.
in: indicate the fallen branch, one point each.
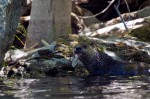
{"type": "Point", "coordinates": [145, 12]}
{"type": "Point", "coordinates": [18, 54]}
{"type": "Point", "coordinates": [119, 27]}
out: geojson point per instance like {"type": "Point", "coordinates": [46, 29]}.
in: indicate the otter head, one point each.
{"type": "Point", "coordinates": [88, 55]}
{"type": "Point", "coordinates": [84, 51]}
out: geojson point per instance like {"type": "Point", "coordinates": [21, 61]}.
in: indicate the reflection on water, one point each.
{"type": "Point", "coordinates": [75, 88]}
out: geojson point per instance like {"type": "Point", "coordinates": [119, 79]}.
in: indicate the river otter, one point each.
{"type": "Point", "coordinates": [99, 63]}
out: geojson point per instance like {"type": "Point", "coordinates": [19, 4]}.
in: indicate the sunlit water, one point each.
{"type": "Point", "coordinates": [75, 88]}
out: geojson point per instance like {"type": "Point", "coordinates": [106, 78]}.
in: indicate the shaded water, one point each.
{"type": "Point", "coordinates": [75, 88]}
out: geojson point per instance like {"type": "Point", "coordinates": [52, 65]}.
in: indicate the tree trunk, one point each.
{"type": "Point", "coordinates": [10, 11]}
{"type": "Point", "coordinates": [50, 19]}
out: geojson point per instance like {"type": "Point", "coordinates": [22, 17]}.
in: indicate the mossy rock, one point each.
{"type": "Point", "coordinates": [66, 44]}
{"type": "Point", "coordinates": [142, 33]}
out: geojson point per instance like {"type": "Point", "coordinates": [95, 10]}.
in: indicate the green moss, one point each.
{"type": "Point", "coordinates": [9, 92]}
{"type": "Point", "coordinates": [35, 74]}
{"type": "Point", "coordinates": [142, 33]}
{"type": "Point", "coordinates": [84, 39]}
{"type": "Point", "coordinates": [66, 44]}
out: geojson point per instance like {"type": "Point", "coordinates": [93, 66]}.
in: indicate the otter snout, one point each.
{"type": "Point", "coordinates": [78, 50]}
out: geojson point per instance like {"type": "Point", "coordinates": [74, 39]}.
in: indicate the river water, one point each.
{"type": "Point", "coordinates": [91, 87]}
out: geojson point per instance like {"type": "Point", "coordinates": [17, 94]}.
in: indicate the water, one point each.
{"type": "Point", "coordinates": [75, 88]}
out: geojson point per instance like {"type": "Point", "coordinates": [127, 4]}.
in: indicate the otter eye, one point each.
{"type": "Point", "coordinates": [84, 46]}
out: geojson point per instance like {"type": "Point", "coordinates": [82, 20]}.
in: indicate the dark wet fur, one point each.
{"type": "Point", "coordinates": [99, 63]}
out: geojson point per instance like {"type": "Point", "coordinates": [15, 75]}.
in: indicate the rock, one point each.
{"type": "Point", "coordinates": [145, 12]}
{"type": "Point", "coordinates": [13, 55]}
{"type": "Point", "coordinates": [10, 11]}
{"type": "Point", "coordinates": [51, 67]}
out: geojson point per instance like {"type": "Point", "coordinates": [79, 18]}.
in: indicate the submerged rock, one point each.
{"type": "Point", "coordinates": [50, 67]}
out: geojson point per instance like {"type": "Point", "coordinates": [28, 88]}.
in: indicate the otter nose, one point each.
{"type": "Point", "coordinates": [78, 48]}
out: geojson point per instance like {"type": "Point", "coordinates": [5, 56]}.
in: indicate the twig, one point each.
{"type": "Point", "coordinates": [117, 10]}
{"type": "Point", "coordinates": [110, 4]}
